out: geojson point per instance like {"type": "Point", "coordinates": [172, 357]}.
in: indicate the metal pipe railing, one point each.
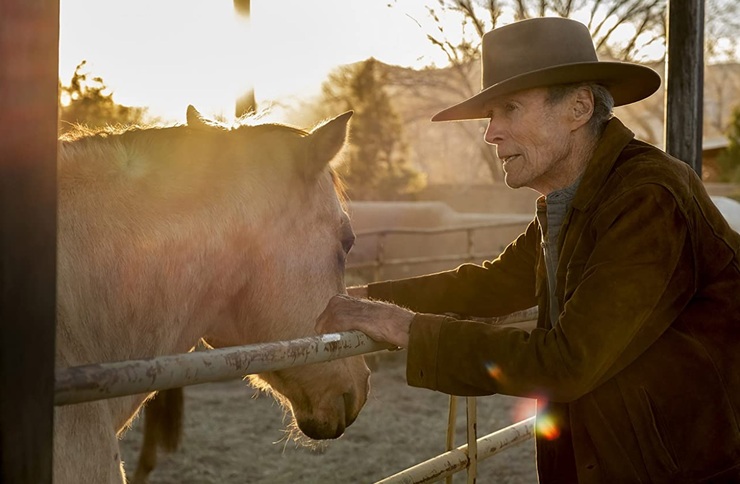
{"type": "Point", "coordinates": [379, 262]}
{"type": "Point", "coordinates": [446, 464]}
{"type": "Point", "coordinates": [516, 222]}
{"type": "Point", "coordinates": [471, 408]}
{"type": "Point", "coordinates": [108, 380]}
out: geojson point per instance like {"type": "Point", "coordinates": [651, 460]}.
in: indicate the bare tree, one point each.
{"type": "Point", "coordinates": [87, 101]}
{"type": "Point", "coordinates": [721, 29]}
{"type": "Point", "coordinates": [647, 19]}
{"type": "Point", "coordinates": [476, 17]}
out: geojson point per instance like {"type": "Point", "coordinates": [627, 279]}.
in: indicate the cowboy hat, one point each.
{"type": "Point", "coordinates": [543, 52]}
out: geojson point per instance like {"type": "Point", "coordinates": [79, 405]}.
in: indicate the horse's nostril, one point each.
{"type": "Point", "coordinates": [318, 430]}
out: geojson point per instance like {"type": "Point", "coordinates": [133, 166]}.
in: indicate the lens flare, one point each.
{"type": "Point", "coordinates": [495, 371]}
{"type": "Point", "coordinates": [523, 409]}
{"type": "Point", "coordinates": [546, 427]}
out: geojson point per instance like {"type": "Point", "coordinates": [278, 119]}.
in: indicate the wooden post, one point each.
{"type": "Point", "coordinates": [685, 81]}
{"type": "Point", "coordinates": [29, 37]}
{"type": "Point", "coordinates": [246, 103]}
{"type": "Point", "coordinates": [472, 414]}
{"type": "Point", "coordinates": [451, 426]}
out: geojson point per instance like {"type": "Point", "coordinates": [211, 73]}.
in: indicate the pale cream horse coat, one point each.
{"type": "Point", "coordinates": [170, 235]}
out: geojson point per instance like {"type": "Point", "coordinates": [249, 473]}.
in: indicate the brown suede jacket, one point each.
{"type": "Point", "coordinates": [642, 370]}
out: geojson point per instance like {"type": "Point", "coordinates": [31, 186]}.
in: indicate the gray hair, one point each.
{"type": "Point", "coordinates": [603, 103]}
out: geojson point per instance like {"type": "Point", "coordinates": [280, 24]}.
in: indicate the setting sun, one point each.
{"type": "Point", "coordinates": [171, 53]}
{"type": "Point", "coordinates": [161, 54]}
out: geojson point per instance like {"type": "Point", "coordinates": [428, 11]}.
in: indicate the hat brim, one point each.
{"type": "Point", "coordinates": [627, 83]}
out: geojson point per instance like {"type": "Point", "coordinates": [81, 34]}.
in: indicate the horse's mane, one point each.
{"type": "Point", "coordinates": [131, 136]}
{"type": "Point", "coordinates": [78, 131]}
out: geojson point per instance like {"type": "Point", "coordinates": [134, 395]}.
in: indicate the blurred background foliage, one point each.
{"type": "Point", "coordinates": [86, 101]}
{"type": "Point", "coordinates": [729, 160]}
{"type": "Point", "coordinates": [376, 166]}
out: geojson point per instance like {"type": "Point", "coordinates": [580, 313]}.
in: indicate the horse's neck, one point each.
{"type": "Point", "coordinates": [147, 296]}
{"type": "Point", "coordinates": [140, 274]}
{"type": "Point", "coordinates": [146, 269]}
{"type": "Point", "coordinates": [133, 304]}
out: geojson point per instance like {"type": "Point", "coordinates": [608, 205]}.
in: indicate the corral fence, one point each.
{"type": "Point", "coordinates": [381, 259]}
{"type": "Point", "coordinates": [109, 380]}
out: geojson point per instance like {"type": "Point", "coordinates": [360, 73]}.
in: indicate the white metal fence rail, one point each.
{"type": "Point", "coordinates": [458, 459]}
{"type": "Point", "coordinates": [108, 380]}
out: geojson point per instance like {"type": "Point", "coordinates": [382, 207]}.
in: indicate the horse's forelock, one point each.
{"type": "Point", "coordinates": [339, 187]}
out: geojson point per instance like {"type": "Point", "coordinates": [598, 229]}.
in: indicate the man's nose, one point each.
{"type": "Point", "coordinates": [493, 132]}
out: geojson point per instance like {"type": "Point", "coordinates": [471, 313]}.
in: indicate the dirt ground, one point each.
{"type": "Point", "coordinates": [233, 434]}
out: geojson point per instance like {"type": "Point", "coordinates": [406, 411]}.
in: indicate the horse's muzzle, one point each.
{"type": "Point", "coordinates": [345, 414]}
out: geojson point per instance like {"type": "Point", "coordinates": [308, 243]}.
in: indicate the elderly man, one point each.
{"type": "Point", "coordinates": [636, 354]}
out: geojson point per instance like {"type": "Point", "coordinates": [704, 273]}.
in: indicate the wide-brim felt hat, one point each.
{"type": "Point", "coordinates": [548, 51]}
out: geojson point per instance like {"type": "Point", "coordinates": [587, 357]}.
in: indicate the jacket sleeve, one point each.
{"type": "Point", "coordinates": [638, 278]}
{"type": "Point", "coordinates": [495, 288]}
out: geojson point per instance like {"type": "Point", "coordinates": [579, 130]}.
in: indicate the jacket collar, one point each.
{"type": "Point", "coordinates": [615, 138]}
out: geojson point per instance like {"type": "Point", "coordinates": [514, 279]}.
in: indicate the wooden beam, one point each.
{"type": "Point", "coordinates": [29, 34]}
{"type": "Point", "coordinates": [246, 102]}
{"type": "Point", "coordinates": [685, 81]}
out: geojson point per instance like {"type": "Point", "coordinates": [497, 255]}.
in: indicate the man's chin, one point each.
{"type": "Point", "coordinates": [510, 182]}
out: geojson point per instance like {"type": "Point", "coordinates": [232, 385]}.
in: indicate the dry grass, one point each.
{"type": "Point", "coordinates": [229, 437]}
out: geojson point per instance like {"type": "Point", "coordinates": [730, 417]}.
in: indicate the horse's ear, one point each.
{"type": "Point", "coordinates": [195, 119]}
{"type": "Point", "coordinates": [326, 141]}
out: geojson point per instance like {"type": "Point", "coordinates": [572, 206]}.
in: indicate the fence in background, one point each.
{"type": "Point", "coordinates": [380, 260]}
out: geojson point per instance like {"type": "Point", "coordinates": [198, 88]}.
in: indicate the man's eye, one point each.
{"type": "Point", "coordinates": [510, 107]}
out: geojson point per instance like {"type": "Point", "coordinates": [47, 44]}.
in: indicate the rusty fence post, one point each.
{"type": "Point", "coordinates": [29, 73]}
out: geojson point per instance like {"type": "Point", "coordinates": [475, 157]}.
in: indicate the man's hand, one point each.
{"type": "Point", "coordinates": [381, 321]}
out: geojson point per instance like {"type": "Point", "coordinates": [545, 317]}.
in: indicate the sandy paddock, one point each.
{"type": "Point", "coordinates": [233, 435]}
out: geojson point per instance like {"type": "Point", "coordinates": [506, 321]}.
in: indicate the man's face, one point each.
{"type": "Point", "coordinates": [532, 138]}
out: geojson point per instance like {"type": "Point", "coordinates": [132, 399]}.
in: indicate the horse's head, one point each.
{"type": "Point", "coordinates": [292, 236]}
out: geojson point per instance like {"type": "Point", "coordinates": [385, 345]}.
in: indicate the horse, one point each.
{"type": "Point", "coordinates": [229, 235]}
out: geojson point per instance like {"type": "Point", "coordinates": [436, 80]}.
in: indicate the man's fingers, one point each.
{"type": "Point", "coordinates": [380, 321]}
{"type": "Point", "coordinates": [324, 320]}
{"type": "Point", "coordinates": [329, 321]}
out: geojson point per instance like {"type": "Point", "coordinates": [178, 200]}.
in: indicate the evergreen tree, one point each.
{"type": "Point", "coordinates": [729, 160]}
{"type": "Point", "coordinates": [87, 101]}
{"type": "Point", "coordinates": [376, 167]}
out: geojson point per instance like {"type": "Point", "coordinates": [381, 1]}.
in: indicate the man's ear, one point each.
{"type": "Point", "coordinates": [582, 106]}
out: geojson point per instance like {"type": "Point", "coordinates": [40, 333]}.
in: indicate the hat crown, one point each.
{"type": "Point", "coordinates": [544, 52]}
{"type": "Point", "coordinates": [531, 45]}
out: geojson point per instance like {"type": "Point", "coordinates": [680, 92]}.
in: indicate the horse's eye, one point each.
{"type": "Point", "coordinates": [347, 242]}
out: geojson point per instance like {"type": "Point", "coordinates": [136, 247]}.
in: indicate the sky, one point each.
{"type": "Point", "coordinates": [166, 54]}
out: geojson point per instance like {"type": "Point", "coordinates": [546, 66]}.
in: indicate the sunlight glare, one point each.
{"type": "Point", "coordinates": [301, 42]}
{"type": "Point", "coordinates": [164, 54]}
